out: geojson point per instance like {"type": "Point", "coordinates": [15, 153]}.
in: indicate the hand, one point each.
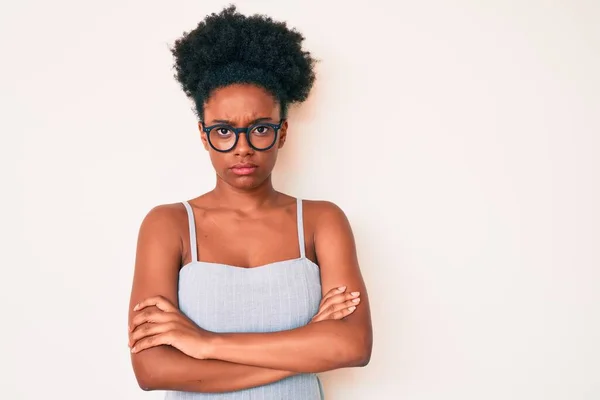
{"type": "Point", "coordinates": [337, 304]}
{"type": "Point", "coordinates": [159, 322]}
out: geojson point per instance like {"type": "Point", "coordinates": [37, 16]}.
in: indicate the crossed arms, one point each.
{"type": "Point", "coordinates": [169, 352]}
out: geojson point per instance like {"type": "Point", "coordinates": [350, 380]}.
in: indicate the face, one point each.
{"type": "Point", "coordinates": [240, 106]}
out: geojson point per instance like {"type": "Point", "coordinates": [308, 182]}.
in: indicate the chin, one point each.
{"type": "Point", "coordinates": [247, 182]}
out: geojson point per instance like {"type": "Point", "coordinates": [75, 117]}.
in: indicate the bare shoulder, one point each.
{"type": "Point", "coordinates": [325, 214]}
{"type": "Point", "coordinates": [159, 247]}
{"type": "Point", "coordinates": [163, 227]}
{"type": "Point", "coordinates": [163, 217]}
{"type": "Point", "coordinates": [321, 205]}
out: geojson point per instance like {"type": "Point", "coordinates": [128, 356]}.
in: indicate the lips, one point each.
{"type": "Point", "coordinates": [244, 168]}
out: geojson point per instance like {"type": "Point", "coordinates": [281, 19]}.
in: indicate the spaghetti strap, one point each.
{"type": "Point", "coordinates": [300, 219]}
{"type": "Point", "coordinates": [192, 226]}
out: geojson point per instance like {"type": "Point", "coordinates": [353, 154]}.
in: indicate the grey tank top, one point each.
{"type": "Point", "coordinates": [278, 296]}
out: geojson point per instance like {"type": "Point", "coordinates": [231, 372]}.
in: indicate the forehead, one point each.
{"type": "Point", "coordinates": [240, 103]}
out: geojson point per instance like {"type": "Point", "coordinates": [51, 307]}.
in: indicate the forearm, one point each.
{"type": "Point", "coordinates": [166, 368]}
{"type": "Point", "coordinates": [317, 347]}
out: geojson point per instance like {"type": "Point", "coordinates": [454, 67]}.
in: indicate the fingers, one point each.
{"type": "Point", "coordinates": [336, 304]}
{"type": "Point", "coordinates": [150, 329]}
{"type": "Point", "coordinates": [343, 313]}
{"type": "Point", "coordinates": [152, 341]}
{"type": "Point", "coordinates": [333, 292]}
{"type": "Point", "coordinates": [337, 311]}
{"type": "Point", "coordinates": [158, 301]}
{"type": "Point", "coordinates": [152, 315]}
{"type": "Point", "coordinates": [338, 299]}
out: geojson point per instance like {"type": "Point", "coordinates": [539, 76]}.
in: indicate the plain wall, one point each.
{"type": "Point", "coordinates": [461, 138]}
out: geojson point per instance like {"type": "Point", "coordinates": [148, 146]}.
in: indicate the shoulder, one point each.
{"type": "Point", "coordinates": [325, 215]}
{"type": "Point", "coordinates": [164, 219]}
{"type": "Point", "coordinates": [322, 207]}
{"type": "Point", "coordinates": [332, 235]}
{"type": "Point", "coordinates": [165, 214]}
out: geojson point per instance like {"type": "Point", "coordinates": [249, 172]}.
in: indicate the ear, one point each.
{"type": "Point", "coordinates": [282, 134]}
{"type": "Point", "coordinates": [203, 136]}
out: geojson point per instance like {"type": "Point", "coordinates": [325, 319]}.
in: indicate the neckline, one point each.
{"type": "Point", "coordinates": [258, 267]}
{"type": "Point", "coordinates": [194, 243]}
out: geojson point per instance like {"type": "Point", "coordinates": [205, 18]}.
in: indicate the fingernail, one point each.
{"type": "Point", "coordinates": [136, 307]}
{"type": "Point", "coordinates": [342, 288]}
{"type": "Point", "coordinates": [356, 300]}
{"type": "Point", "coordinates": [133, 349]}
{"type": "Point", "coordinates": [354, 294]}
{"type": "Point", "coordinates": [351, 308]}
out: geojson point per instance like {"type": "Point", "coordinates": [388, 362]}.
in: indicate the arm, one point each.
{"type": "Point", "coordinates": [324, 345]}
{"type": "Point", "coordinates": [156, 272]}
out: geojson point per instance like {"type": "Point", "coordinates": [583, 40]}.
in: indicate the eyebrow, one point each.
{"type": "Point", "coordinates": [226, 121]}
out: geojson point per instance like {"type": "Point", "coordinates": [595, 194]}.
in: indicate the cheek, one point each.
{"type": "Point", "coordinates": [217, 159]}
{"type": "Point", "coordinates": [270, 157]}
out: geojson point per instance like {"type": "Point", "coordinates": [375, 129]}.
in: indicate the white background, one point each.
{"type": "Point", "coordinates": [461, 138]}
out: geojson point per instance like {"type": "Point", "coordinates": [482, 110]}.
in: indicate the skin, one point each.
{"type": "Point", "coordinates": [168, 350]}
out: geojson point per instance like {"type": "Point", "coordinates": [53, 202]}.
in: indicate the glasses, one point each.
{"type": "Point", "coordinates": [261, 136]}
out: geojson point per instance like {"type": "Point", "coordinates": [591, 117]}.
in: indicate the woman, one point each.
{"type": "Point", "coordinates": [245, 292]}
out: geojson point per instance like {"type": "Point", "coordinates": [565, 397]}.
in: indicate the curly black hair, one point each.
{"type": "Point", "coordinates": [228, 48]}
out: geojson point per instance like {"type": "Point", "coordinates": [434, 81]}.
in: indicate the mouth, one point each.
{"type": "Point", "coordinates": [244, 168]}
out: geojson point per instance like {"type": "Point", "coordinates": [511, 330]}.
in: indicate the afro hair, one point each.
{"type": "Point", "coordinates": [229, 48]}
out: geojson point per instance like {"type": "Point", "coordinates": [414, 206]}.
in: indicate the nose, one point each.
{"type": "Point", "coordinates": [242, 147]}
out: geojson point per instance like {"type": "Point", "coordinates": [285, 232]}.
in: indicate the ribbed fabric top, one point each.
{"type": "Point", "coordinates": [273, 297]}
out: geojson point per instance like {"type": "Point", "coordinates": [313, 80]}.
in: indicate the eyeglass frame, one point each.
{"type": "Point", "coordinates": [238, 131]}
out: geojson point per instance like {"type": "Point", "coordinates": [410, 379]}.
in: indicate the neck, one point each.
{"type": "Point", "coordinates": [244, 199]}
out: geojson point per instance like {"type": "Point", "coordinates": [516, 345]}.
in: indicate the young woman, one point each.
{"type": "Point", "coordinates": [245, 292]}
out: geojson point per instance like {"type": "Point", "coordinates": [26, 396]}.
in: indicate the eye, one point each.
{"type": "Point", "coordinates": [222, 131]}
{"type": "Point", "coordinates": [262, 130]}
